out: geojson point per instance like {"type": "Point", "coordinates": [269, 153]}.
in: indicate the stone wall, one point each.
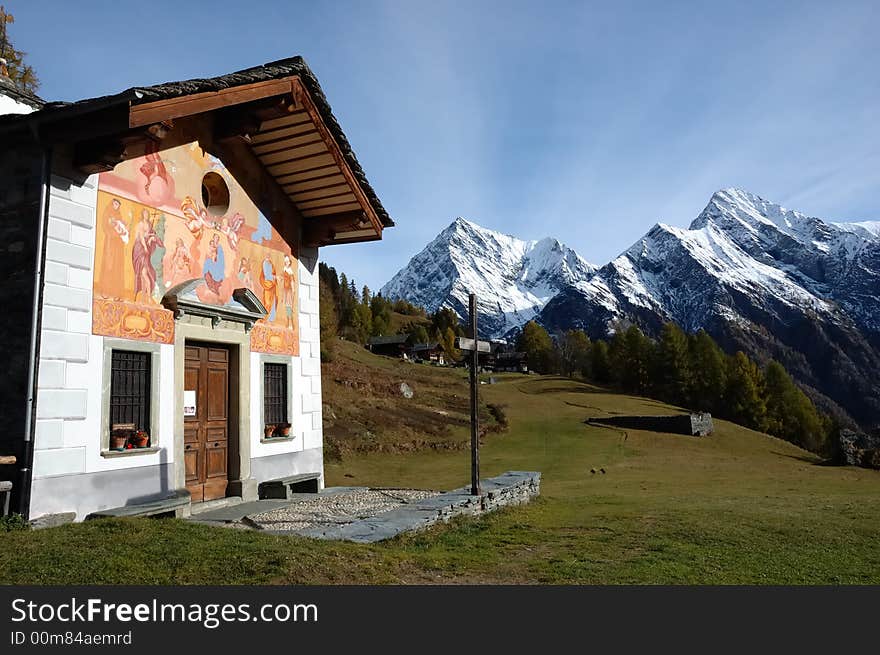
{"type": "Point", "coordinates": [699, 425]}
{"type": "Point", "coordinates": [860, 449]}
{"type": "Point", "coordinates": [508, 489]}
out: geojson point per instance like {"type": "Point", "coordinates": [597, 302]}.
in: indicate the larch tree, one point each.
{"type": "Point", "coordinates": [22, 75]}
{"type": "Point", "coordinates": [536, 343]}
{"type": "Point", "coordinates": [574, 353]}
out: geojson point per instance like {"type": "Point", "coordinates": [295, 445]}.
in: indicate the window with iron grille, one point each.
{"type": "Point", "coordinates": [274, 393]}
{"type": "Point", "coordinates": [130, 389]}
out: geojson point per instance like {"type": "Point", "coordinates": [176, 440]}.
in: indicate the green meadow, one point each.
{"type": "Point", "coordinates": [738, 507]}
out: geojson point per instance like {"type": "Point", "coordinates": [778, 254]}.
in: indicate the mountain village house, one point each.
{"type": "Point", "coordinates": [160, 253]}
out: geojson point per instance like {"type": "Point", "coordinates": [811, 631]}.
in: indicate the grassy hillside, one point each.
{"type": "Point", "coordinates": [737, 507]}
{"type": "Point", "coordinates": [400, 322]}
{"type": "Point", "coordinates": [365, 410]}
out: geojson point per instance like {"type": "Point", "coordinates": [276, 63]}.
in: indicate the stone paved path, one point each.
{"type": "Point", "coordinates": [368, 515]}
{"type": "Point", "coordinates": [337, 509]}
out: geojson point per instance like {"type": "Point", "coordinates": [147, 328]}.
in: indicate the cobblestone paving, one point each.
{"type": "Point", "coordinates": [337, 509]}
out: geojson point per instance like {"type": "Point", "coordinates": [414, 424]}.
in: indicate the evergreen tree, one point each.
{"type": "Point", "coordinates": [631, 355]}
{"type": "Point", "coordinates": [446, 318]}
{"type": "Point", "coordinates": [365, 322]}
{"type": "Point", "coordinates": [365, 295]}
{"type": "Point", "coordinates": [345, 299]}
{"type": "Point", "coordinates": [600, 363]}
{"type": "Point", "coordinates": [790, 413]}
{"type": "Point", "coordinates": [328, 320]}
{"type": "Point", "coordinates": [708, 373]}
{"type": "Point", "coordinates": [744, 393]}
{"type": "Point", "coordinates": [418, 334]}
{"type": "Point", "coordinates": [403, 307]}
{"type": "Point", "coordinates": [380, 310]}
{"type": "Point", "coordinates": [672, 369]}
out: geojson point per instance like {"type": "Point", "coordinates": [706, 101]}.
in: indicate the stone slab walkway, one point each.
{"type": "Point", "coordinates": [366, 515]}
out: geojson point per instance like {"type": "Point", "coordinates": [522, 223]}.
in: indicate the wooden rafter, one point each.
{"type": "Point", "coordinates": [304, 100]}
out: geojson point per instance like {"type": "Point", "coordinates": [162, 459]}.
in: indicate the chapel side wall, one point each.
{"type": "Point", "coordinates": [303, 453]}
{"type": "Point", "coordinates": [71, 473]}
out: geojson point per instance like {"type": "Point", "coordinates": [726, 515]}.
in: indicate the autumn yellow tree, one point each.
{"type": "Point", "coordinates": [21, 74]}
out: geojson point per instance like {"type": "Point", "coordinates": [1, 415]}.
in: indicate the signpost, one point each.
{"type": "Point", "coordinates": [474, 346]}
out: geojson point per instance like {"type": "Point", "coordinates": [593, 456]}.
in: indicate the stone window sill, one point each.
{"type": "Point", "coordinates": [289, 437]}
{"type": "Point", "coordinates": [130, 452]}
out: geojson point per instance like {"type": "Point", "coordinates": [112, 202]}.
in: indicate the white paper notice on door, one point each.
{"type": "Point", "coordinates": [189, 402]}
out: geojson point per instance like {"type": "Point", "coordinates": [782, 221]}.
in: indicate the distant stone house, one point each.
{"type": "Point", "coordinates": [397, 345]}
{"type": "Point", "coordinates": [429, 352]}
{"type": "Point", "coordinates": [393, 345]}
{"type": "Point", "coordinates": [511, 362]}
{"type": "Point", "coordinates": [160, 296]}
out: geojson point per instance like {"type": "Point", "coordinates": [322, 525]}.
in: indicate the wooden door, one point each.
{"type": "Point", "coordinates": [206, 433]}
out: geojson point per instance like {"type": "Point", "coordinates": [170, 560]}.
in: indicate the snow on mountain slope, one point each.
{"type": "Point", "coordinates": [513, 279]}
{"type": "Point", "coordinates": [771, 281]}
{"type": "Point", "coordinates": [759, 277]}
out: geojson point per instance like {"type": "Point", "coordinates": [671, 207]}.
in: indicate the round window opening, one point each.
{"type": "Point", "coordinates": [215, 194]}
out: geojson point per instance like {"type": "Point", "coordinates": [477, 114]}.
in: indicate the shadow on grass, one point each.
{"type": "Point", "coordinates": [815, 460]}
{"type": "Point", "coordinates": [675, 424]}
{"type": "Point", "coordinates": [563, 385]}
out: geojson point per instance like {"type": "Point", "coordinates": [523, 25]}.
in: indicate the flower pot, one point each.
{"type": "Point", "coordinates": [285, 431]}
{"type": "Point", "coordinates": [117, 442]}
{"type": "Point", "coordinates": [268, 431]}
{"type": "Point", "coordinates": [140, 440]}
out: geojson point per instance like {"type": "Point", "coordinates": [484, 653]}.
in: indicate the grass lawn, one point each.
{"type": "Point", "coordinates": [737, 507]}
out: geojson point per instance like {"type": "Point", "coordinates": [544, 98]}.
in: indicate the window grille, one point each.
{"type": "Point", "coordinates": [130, 389]}
{"type": "Point", "coordinates": [274, 393]}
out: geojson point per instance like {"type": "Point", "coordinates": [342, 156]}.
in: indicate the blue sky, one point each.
{"type": "Point", "coordinates": [589, 122]}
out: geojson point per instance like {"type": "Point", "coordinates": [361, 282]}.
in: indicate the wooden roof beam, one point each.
{"type": "Point", "coordinates": [198, 103]}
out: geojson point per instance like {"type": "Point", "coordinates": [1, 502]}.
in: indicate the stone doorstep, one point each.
{"type": "Point", "coordinates": [210, 505]}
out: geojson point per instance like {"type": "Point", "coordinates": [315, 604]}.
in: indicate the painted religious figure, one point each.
{"type": "Point", "coordinates": [214, 269]}
{"type": "Point", "coordinates": [270, 286]}
{"type": "Point", "coordinates": [113, 253]}
{"type": "Point", "coordinates": [145, 242]}
{"type": "Point", "coordinates": [288, 279]}
{"type": "Point", "coordinates": [181, 265]}
{"type": "Point", "coordinates": [245, 278]}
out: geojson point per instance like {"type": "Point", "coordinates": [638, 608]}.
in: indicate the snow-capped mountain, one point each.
{"type": "Point", "coordinates": [513, 279]}
{"type": "Point", "coordinates": [758, 277]}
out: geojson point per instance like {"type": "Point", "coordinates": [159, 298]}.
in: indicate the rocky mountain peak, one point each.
{"type": "Point", "coordinates": [757, 276]}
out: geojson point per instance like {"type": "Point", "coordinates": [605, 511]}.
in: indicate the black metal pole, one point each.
{"type": "Point", "coordinates": [475, 401]}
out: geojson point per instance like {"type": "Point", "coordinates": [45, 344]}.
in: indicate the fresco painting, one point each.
{"type": "Point", "coordinates": [155, 232]}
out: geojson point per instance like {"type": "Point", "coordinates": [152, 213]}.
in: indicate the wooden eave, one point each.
{"type": "Point", "coordinates": [280, 124]}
